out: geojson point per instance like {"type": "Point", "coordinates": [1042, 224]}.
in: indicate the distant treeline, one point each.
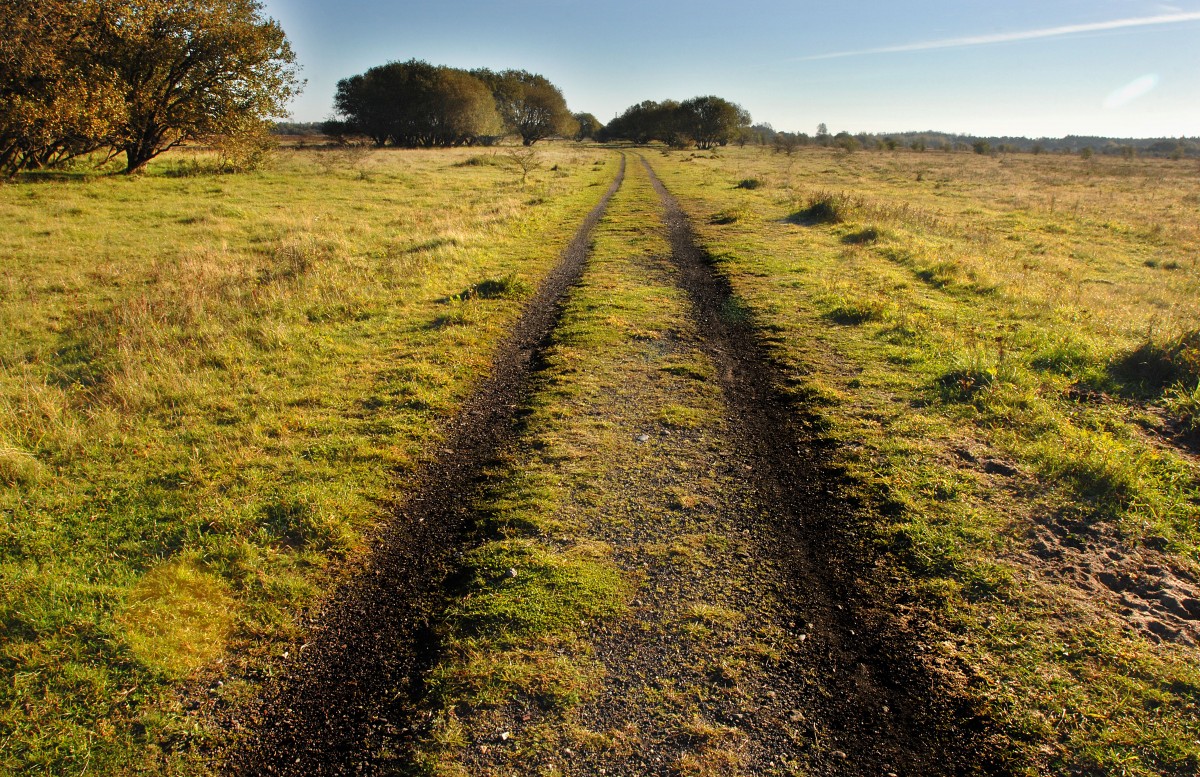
{"type": "Point", "coordinates": [650, 121]}
{"type": "Point", "coordinates": [702, 121]}
{"type": "Point", "coordinates": [1176, 148]}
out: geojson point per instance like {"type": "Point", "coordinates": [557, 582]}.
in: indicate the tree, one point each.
{"type": "Point", "coordinates": [466, 108]}
{"type": "Point", "coordinates": [191, 69]}
{"type": "Point", "coordinates": [529, 104]}
{"type": "Point", "coordinates": [646, 121]}
{"type": "Point", "coordinates": [415, 104]}
{"type": "Point", "coordinates": [786, 143]}
{"type": "Point", "coordinates": [706, 121]}
{"type": "Point", "coordinates": [711, 121]}
{"type": "Point", "coordinates": [55, 103]}
{"type": "Point", "coordinates": [589, 126]}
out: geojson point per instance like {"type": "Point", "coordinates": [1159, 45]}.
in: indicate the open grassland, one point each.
{"type": "Point", "coordinates": [210, 388]}
{"type": "Point", "coordinates": [1006, 349]}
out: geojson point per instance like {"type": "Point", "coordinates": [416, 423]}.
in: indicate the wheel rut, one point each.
{"type": "Point", "coordinates": [356, 681]}
{"type": "Point", "coordinates": [869, 706]}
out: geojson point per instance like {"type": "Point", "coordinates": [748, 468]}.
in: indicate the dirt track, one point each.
{"type": "Point", "coordinates": [370, 644]}
{"type": "Point", "coordinates": [847, 696]}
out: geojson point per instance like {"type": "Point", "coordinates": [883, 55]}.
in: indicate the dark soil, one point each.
{"type": "Point", "coordinates": [355, 683]}
{"type": "Point", "coordinates": [883, 709]}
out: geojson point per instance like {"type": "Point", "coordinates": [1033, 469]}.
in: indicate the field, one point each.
{"type": "Point", "coordinates": [215, 390]}
{"type": "Point", "coordinates": [211, 386]}
{"type": "Point", "coordinates": [1005, 349]}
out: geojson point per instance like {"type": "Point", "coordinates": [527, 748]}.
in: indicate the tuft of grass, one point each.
{"type": "Point", "coordinates": [507, 287]}
{"type": "Point", "coordinates": [482, 160]}
{"type": "Point", "coordinates": [852, 312]}
{"type": "Point", "coordinates": [824, 208]}
{"type": "Point", "coordinates": [1067, 355]}
{"type": "Point", "coordinates": [19, 468]}
{"type": "Point", "coordinates": [750, 183]}
{"type": "Point", "coordinates": [863, 236]}
{"type": "Point", "coordinates": [1156, 363]}
{"type": "Point", "coordinates": [728, 216]}
{"type": "Point", "coordinates": [1184, 403]}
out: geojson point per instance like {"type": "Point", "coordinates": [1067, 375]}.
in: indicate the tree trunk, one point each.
{"type": "Point", "coordinates": [136, 156]}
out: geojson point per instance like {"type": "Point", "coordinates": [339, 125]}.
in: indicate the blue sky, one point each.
{"type": "Point", "coordinates": [1123, 68]}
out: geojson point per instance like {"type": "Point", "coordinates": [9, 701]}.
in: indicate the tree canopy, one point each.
{"type": "Point", "coordinates": [53, 103]}
{"type": "Point", "coordinates": [589, 126]}
{"type": "Point", "coordinates": [529, 104]}
{"type": "Point", "coordinates": [415, 104]}
{"type": "Point", "coordinates": [194, 69]}
{"type": "Point", "coordinates": [135, 76]}
{"type": "Point", "coordinates": [705, 121]}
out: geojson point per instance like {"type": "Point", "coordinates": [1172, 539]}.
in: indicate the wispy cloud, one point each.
{"type": "Point", "coordinates": [1008, 37]}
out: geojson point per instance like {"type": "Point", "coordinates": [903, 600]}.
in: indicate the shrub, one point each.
{"type": "Point", "coordinates": [750, 183]}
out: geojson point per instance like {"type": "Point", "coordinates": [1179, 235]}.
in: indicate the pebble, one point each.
{"type": "Point", "coordinates": [643, 437]}
{"type": "Point", "coordinates": [838, 754]}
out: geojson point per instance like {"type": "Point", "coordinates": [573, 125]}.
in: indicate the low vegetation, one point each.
{"type": "Point", "coordinates": [1010, 374]}
{"type": "Point", "coordinates": [211, 388]}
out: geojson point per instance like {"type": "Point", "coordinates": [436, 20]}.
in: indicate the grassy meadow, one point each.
{"type": "Point", "coordinates": [1005, 348]}
{"type": "Point", "coordinates": [211, 387]}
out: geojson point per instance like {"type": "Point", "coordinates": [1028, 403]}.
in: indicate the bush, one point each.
{"type": "Point", "coordinates": [750, 183]}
